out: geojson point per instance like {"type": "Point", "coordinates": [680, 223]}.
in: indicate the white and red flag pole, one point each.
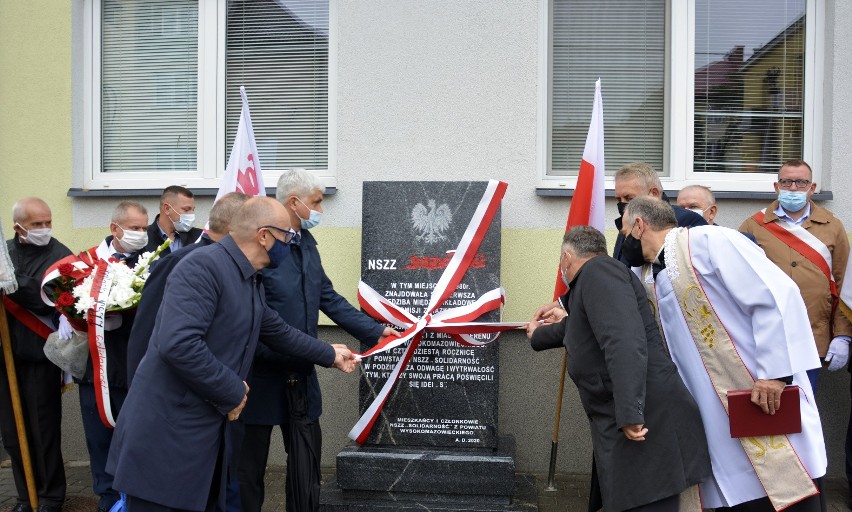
{"type": "Point", "coordinates": [587, 209]}
{"type": "Point", "coordinates": [242, 174]}
{"type": "Point", "coordinates": [587, 205]}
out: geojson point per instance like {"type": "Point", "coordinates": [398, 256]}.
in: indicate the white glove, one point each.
{"type": "Point", "coordinates": [65, 330]}
{"type": "Point", "coordinates": [838, 353]}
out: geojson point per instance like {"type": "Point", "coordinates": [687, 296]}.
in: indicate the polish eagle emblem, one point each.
{"type": "Point", "coordinates": [431, 222]}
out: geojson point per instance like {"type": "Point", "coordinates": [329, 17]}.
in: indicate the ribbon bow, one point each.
{"type": "Point", "coordinates": [457, 322]}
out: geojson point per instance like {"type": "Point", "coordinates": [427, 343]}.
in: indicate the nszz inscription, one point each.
{"type": "Point", "coordinates": [380, 264]}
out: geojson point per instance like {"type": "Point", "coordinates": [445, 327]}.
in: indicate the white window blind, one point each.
{"type": "Point", "coordinates": [749, 84]}
{"type": "Point", "coordinates": [149, 83]}
{"type": "Point", "coordinates": [623, 44]}
{"type": "Point", "coordinates": [278, 49]}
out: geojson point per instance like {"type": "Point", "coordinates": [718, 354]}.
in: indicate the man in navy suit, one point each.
{"type": "Point", "coordinates": [146, 313]}
{"type": "Point", "coordinates": [171, 446]}
{"type": "Point", "coordinates": [285, 391]}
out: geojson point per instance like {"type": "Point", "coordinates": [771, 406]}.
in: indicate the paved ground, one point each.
{"type": "Point", "coordinates": [572, 493]}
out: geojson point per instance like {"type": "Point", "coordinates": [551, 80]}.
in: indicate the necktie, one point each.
{"type": "Point", "coordinates": [297, 239]}
{"type": "Point", "coordinates": [119, 256]}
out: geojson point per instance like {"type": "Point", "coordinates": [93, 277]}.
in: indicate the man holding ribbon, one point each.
{"type": "Point", "coordinates": [127, 240]}
{"type": "Point", "coordinates": [809, 244]}
{"type": "Point", "coordinates": [171, 448]}
{"type": "Point", "coordinates": [285, 391]}
{"type": "Point", "coordinates": [733, 321]}
{"type": "Point", "coordinates": [32, 251]}
{"type": "Point", "coordinates": [646, 430]}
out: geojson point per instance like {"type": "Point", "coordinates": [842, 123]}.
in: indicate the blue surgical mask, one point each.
{"type": "Point", "coordinates": [185, 223]}
{"type": "Point", "coordinates": [278, 253]}
{"type": "Point", "coordinates": [564, 279]}
{"type": "Point", "coordinates": [312, 220]}
{"type": "Point", "coordinates": [792, 200]}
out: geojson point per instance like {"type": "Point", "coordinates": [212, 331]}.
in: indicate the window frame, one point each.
{"type": "Point", "coordinates": [213, 149]}
{"type": "Point", "coordinates": [679, 105]}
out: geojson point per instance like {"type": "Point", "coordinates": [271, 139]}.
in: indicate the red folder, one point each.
{"type": "Point", "coordinates": [749, 420]}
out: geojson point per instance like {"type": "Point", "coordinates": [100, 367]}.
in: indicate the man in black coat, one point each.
{"type": "Point", "coordinates": [626, 380]}
{"type": "Point", "coordinates": [174, 221]}
{"type": "Point", "coordinates": [298, 290]}
{"type": "Point", "coordinates": [32, 251]}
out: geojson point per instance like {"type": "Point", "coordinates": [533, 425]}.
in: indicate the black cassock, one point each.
{"type": "Point", "coordinates": [624, 376]}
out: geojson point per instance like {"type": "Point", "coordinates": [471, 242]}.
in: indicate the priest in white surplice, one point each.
{"type": "Point", "coordinates": [733, 320]}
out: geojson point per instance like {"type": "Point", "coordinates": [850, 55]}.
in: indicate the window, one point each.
{"type": "Point", "coordinates": [717, 92]}
{"type": "Point", "coordinates": [162, 82]}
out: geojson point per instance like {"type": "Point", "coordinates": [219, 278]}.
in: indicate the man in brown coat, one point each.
{"type": "Point", "coordinates": [811, 246]}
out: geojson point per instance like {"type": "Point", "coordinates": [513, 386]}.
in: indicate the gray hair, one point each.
{"type": "Point", "coordinates": [584, 241]}
{"type": "Point", "coordinates": [654, 211]}
{"type": "Point", "coordinates": [19, 209]}
{"type": "Point", "coordinates": [711, 199]}
{"type": "Point", "coordinates": [641, 170]}
{"type": "Point", "coordinates": [296, 182]}
{"type": "Point", "coordinates": [119, 215]}
{"type": "Point", "coordinates": [223, 211]}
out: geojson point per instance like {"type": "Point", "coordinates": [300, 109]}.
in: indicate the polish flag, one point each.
{"type": "Point", "coordinates": [242, 174]}
{"type": "Point", "coordinates": [587, 205]}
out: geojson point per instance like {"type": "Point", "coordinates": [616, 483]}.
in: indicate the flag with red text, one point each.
{"type": "Point", "coordinates": [242, 174]}
{"type": "Point", "coordinates": [587, 205]}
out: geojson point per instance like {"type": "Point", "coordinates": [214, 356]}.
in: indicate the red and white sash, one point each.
{"type": "Point", "coordinates": [803, 242]}
{"type": "Point", "coordinates": [457, 322]}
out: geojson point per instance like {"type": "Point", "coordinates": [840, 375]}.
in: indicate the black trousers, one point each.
{"type": "Point", "coordinates": [253, 459]}
{"type": "Point", "coordinates": [39, 385]}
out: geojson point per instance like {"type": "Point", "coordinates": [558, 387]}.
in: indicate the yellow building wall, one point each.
{"type": "Point", "coordinates": [35, 112]}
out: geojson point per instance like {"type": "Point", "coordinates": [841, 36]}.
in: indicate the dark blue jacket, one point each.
{"type": "Point", "coordinates": [156, 238]}
{"type": "Point", "coordinates": [298, 294]}
{"type": "Point", "coordinates": [152, 296]}
{"type": "Point", "coordinates": [173, 425]}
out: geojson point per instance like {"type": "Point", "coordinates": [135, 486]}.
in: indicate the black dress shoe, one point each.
{"type": "Point", "coordinates": [22, 507]}
{"type": "Point", "coordinates": [43, 507]}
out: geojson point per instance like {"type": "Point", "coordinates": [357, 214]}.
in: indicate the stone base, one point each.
{"type": "Point", "coordinates": [408, 478]}
{"type": "Point", "coordinates": [333, 498]}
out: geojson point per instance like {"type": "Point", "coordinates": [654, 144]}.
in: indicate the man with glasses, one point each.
{"type": "Point", "coordinates": [284, 390]}
{"type": "Point", "coordinates": [811, 246]}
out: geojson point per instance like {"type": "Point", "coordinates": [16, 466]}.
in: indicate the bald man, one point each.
{"type": "Point", "coordinates": [699, 199]}
{"type": "Point", "coordinates": [32, 250]}
{"type": "Point", "coordinates": [171, 442]}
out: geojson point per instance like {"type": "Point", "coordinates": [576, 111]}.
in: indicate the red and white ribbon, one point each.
{"type": "Point", "coordinates": [457, 322]}
{"type": "Point", "coordinates": [100, 291]}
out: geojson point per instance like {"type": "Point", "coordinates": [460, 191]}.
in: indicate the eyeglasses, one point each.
{"type": "Point", "coordinates": [788, 183]}
{"type": "Point", "coordinates": [288, 234]}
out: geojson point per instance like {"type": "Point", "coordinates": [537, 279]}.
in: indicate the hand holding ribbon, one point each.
{"type": "Point", "coordinates": [457, 322]}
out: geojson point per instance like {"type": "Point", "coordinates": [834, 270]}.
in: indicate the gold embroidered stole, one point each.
{"type": "Point", "coordinates": [784, 478]}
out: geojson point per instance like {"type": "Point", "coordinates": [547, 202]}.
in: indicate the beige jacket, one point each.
{"type": "Point", "coordinates": [812, 282]}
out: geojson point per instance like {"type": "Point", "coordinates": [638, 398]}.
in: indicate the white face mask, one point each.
{"type": "Point", "coordinates": [699, 211]}
{"type": "Point", "coordinates": [313, 218]}
{"type": "Point", "coordinates": [39, 237]}
{"type": "Point", "coordinates": [133, 241]}
{"type": "Point", "coordinates": [184, 222]}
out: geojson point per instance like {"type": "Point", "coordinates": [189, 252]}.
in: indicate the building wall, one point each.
{"type": "Point", "coordinates": [435, 90]}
